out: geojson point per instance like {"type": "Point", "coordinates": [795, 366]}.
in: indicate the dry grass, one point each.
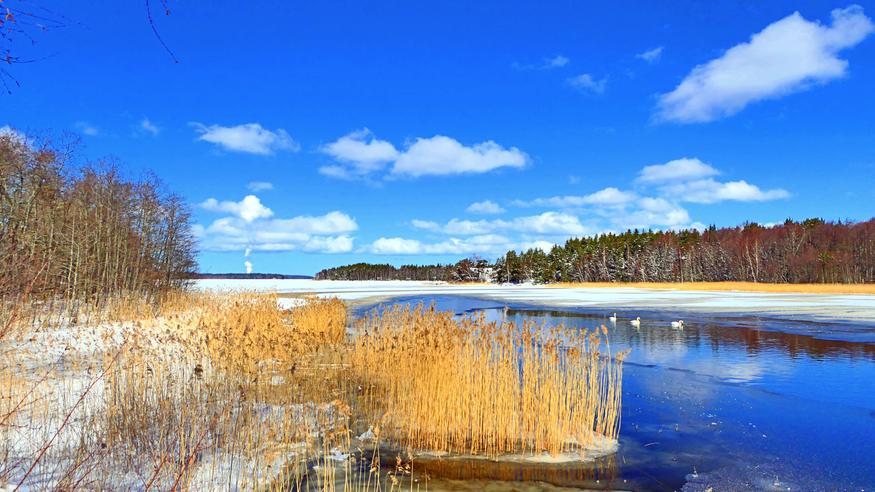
{"type": "Point", "coordinates": [229, 391]}
{"type": "Point", "coordinates": [868, 289]}
{"type": "Point", "coordinates": [477, 387]}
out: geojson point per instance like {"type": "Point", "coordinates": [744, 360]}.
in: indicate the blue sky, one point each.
{"type": "Point", "coordinates": [318, 134]}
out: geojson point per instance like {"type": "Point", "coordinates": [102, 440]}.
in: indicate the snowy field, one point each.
{"type": "Point", "coordinates": [815, 306]}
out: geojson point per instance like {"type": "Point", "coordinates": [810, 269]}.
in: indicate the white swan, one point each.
{"type": "Point", "coordinates": [613, 319]}
{"type": "Point", "coordinates": [678, 324]}
{"type": "Point", "coordinates": [636, 322]}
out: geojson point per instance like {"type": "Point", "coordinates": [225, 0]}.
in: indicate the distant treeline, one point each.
{"type": "Point", "coordinates": [85, 232]}
{"type": "Point", "coordinates": [369, 271]}
{"type": "Point", "coordinates": [811, 251]}
{"type": "Point", "coordinates": [248, 276]}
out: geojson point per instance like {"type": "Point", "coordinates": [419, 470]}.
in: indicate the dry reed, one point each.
{"type": "Point", "coordinates": [474, 387]}
{"type": "Point", "coordinates": [229, 391]}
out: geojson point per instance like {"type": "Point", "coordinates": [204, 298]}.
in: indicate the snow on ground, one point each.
{"type": "Point", "coordinates": [859, 308]}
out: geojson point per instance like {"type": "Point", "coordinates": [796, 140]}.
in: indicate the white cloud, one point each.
{"type": "Point", "coordinates": [690, 180]}
{"type": "Point", "coordinates": [248, 209]}
{"type": "Point", "coordinates": [362, 151]}
{"type": "Point", "coordinates": [440, 155]}
{"type": "Point", "coordinates": [256, 186]}
{"type": "Point", "coordinates": [87, 128]}
{"type": "Point", "coordinates": [711, 191]}
{"type": "Point", "coordinates": [651, 56]}
{"type": "Point", "coordinates": [395, 246]}
{"type": "Point", "coordinates": [547, 223]}
{"type": "Point", "coordinates": [248, 265]}
{"type": "Point", "coordinates": [557, 61]}
{"type": "Point", "coordinates": [678, 169]}
{"type": "Point", "coordinates": [587, 82]}
{"type": "Point", "coordinates": [360, 154]}
{"type": "Point", "coordinates": [484, 244]}
{"type": "Point", "coordinates": [252, 228]}
{"type": "Point", "coordinates": [486, 207]}
{"type": "Point", "coordinates": [250, 138]}
{"type": "Point", "coordinates": [652, 212]}
{"type": "Point", "coordinates": [149, 127]}
{"type": "Point", "coordinates": [788, 55]}
{"type": "Point", "coordinates": [607, 197]}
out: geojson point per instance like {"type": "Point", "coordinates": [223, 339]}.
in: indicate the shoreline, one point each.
{"type": "Point", "coordinates": [728, 286]}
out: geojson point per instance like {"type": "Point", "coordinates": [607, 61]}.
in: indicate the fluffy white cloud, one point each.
{"type": "Point", "coordinates": [248, 209]}
{"type": "Point", "coordinates": [788, 55]}
{"type": "Point", "coordinates": [651, 56]}
{"type": "Point", "coordinates": [690, 180]}
{"type": "Point", "coordinates": [250, 138]}
{"type": "Point", "coordinates": [360, 154]}
{"type": "Point", "coordinates": [234, 234]}
{"type": "Point", "coordinates": [256, 186]}
{"type": "Point", "coordinates": [440, 155]}
{"type": "Point", "coordinates": [486, 207]}
{"type": "Point", "coordinates": [362, 151]}
{"type": "Point", "coordinates": [607, 197]}
{"type": "Point", "coordinates": [251, 227]}
{"type": "Point", "coordinates": [547, 223]}
{"type": "Point", "coordinates": [652, 212]}
{"type": "Point", "coordinates": [587, 82]}
{"type": "Point", "coordinates": [711, 191]}
{"type": "Point", "coordinates": [149, 127]}
{"type": "Point", "coordinates": [485, 244]}
{"type": "Point", "coordinates": [678, 169]}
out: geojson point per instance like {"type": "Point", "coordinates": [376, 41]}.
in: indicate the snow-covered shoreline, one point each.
{"type": "Point", "coordinates": [857, 307]}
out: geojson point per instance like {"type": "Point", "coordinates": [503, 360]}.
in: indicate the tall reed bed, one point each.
{"type": "Point", "coordinates": [470, 386]}
{"type": "Point", "coordinates": [229, 391]}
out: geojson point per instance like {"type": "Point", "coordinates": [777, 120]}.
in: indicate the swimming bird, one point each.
{"type": "Point", "coordinates": [636, 322]}
{"type": "Point", "coordinates": [613, 318]}
{"type": "Point", "coordinates": [678, 324]}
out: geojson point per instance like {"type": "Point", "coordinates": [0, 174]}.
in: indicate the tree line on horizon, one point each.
{"type": "Point", "coordinates": [808, 251]}
{"type": "Point", "coordinates": [84, 233]}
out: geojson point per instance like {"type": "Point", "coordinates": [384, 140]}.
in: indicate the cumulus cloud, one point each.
{"type": "Point", "coordinates": [678, 169]}
{"type": "Point", "coordinates": [607, 196]}
{"type": "Point", "coordinates": [249, 138]}
{"type": "Point", "coordinates": [362, 151]}
{"type": "Point", "coordinates": [248, 209]}
{"type": "Point", "coordinates": [789, 55]}
{"type": "Point", "coordinates": [547, 223]}
{"type": "Point", "coordinates": [651, 56]}
{"type": "Point", "coordinates": [484, 244]}
{"type": "Point", "coordinates": [149, 127]}
{"type": "Point", "coordinates": [711, 191]}
{"type": "Point", "coordinates": [360, 154]}
{"type": "Point", "coordinates": [440, 155]}
{"type": "Point", "coordinates": [486, 207]}
{"type": "Point", "coordinates": [252, 227]}
{"type": "Point", "coordinates": [256, 186]}
{"type": "Point", "coordinates": [588, 83]}
{"type": "Point", "coordinates": [690, 180]}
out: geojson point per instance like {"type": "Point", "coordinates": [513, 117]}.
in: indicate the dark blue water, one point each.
{"type": "Point", "coordinates": [729, 402]}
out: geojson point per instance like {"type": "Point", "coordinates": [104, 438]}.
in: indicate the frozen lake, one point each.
{"type": "Point", "coordinates": [759, 391]}
{"type": "Point", "coordinates": [860, 308]}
